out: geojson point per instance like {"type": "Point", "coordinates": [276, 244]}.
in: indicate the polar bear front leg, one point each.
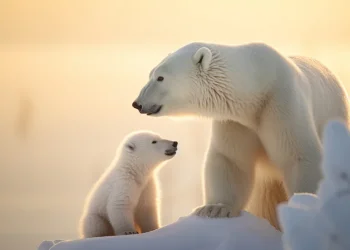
{"type": "Point", "coordinates": [93, 225]}
{"type": "Point", "coordinates": [227, 187]}
{"type": "Point", "coordinates": [146, 215]}
{"type": "Point", "coordinates": [229, 170]}
{"type": "Point", "coordinates": [121, 217]}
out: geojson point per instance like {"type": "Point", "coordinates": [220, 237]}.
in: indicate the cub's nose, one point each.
{"type": "Point", "coordinates": [175, 144]}
{"type": "Point", "coordinates": [137, 106]}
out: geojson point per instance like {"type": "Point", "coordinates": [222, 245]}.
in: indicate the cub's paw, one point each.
{"type": "Point", "coordinates": [130, 232]}
{"type": "Point", "coordinates": [215, 211]}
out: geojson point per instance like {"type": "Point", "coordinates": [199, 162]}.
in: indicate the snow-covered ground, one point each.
{"type": "Point", "coordinates": [245, 232]}
{"type": "Point", "coordinates": [310, 222]}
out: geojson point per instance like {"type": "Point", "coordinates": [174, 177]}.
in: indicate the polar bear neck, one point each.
{"type": "Point", "coordinates": [239, 82]}
{"type": "Point", "coordinates": [219, 100]}
{"type": "Point", "coordinates": [132, 168]}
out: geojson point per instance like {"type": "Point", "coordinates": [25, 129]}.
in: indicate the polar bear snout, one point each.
{"type": "Point", "coordinates": [172, 150]}
{"type": "Point", "coordinates": [147, 109]}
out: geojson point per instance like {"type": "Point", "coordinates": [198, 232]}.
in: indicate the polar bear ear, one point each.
{"type": "Point", "coordinates": [203, 56]}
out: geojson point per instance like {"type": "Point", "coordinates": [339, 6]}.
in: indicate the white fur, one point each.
{"type": "Point", "coordinates": [124, 199]}
{"type": "Point", "coordinates": [268, 110]}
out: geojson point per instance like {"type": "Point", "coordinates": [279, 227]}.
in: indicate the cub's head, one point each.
{"type": "Point", "coordinates": [175, 87]}
{"type": "Point", "coordinates": [148, 149]}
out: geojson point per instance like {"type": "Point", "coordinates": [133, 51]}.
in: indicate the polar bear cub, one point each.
{"type": "Point", "coordinates": [125, 196]}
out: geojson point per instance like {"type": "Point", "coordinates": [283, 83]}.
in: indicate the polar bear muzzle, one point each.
{"type": "Point", "coordinates": [171, 151]}
{"type": "Point", "coordinates": [150, 110]}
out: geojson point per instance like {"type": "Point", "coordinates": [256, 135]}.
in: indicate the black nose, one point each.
{"type": "Point", "coordinates": [175, 144]}
{"type": "Point", "coordinates": [136, 105]}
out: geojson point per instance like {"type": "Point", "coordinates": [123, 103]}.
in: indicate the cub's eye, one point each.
{"type": "Point", "coordinates": [131, 147]}
{"type": "Point", "coordinates": [160, 78]}
{"type": "Point", "coordinates": [154, 142]}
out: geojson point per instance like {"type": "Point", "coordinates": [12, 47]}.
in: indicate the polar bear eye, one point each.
{"type": "Point", "coordinates": [160, 78]}
{"type": "Point", "coordinates": [131, 147]}
{"type": "Point", "coordinates": [154, 142]}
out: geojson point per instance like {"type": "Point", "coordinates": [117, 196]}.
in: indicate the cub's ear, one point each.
{"type": "Point", "coordinates": [203, 56]}
{"type": "Point", "coordinates": [130, 147]}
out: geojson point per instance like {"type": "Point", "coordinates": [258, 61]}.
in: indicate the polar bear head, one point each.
{"type": "Point", "coordinates": [147, 149]}
{"type": "Point", "coordinates": [179, 84]}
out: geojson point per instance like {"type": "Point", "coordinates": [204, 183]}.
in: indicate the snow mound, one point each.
{"type": "Point", "coordinates": [188, 233]}
{"type": "Point", "coordinates": [323, 222]}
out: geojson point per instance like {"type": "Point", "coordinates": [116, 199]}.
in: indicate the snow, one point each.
{"type": "Point", "coordinates": [323, 221]}
{"type": "Point", "coordinates": [189, 232]}
{"type": "Point", "coordinates": [309, 222]}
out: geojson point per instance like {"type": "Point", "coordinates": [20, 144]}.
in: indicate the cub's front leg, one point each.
{"type": "Point", "coordinates": [229, 170]}
{"type": "Point", "coordinates": [146, 215]}
{"type": "Point", "coordinates": [121, 215]}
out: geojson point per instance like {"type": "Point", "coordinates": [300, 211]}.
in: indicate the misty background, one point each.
{"type": "Point", "coordinates": [69, 71]}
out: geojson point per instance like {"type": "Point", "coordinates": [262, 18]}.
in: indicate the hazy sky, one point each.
{"type": "Point", "coordinates": [161, 21]}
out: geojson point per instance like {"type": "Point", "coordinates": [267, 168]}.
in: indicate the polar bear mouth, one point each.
{"type": "Point", "coordinates": [170, 152]}
{"type": "Point", "coordinates": [155, 109]}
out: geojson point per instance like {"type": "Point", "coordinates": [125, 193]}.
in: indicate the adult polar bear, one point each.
{"type": "Point", "coordinates": [268, 110]}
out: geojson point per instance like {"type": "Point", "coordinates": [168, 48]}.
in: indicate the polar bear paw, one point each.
{"type": "Point", "coordinates": [215, 211]}
{"type": "Point", "coordinates": [130, 232]}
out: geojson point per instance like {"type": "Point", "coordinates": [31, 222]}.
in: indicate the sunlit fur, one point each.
{"type": "Point", "coordinates": [125, 198]}
{"type": "Point", "coordinates": [268, 110]}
